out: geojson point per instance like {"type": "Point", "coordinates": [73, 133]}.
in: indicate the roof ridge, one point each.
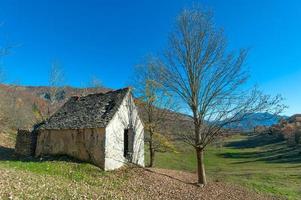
{"type": "Point", "coordinates": [101, 93]}
{"type": "Point", "coordinates": [119, 90]}
{"type": "Point", "coordinates": [93, 110]}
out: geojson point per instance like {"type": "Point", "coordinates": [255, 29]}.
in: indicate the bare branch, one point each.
{"type": "Point", "coordinates": [209, 80]}
{"type": "Point", "coordinates": [155, 105]}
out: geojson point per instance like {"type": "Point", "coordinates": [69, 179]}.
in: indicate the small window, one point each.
{"type": "Point", "coordinates": [126, 142]}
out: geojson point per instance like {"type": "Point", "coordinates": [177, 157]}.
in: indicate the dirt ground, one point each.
{"type": "Point", "coordinates": [171, 184]}
{"type": "Point", "coordinates": [141, 183]}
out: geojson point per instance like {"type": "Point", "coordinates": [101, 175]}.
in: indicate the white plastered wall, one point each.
{"type": "Point", "coordinates": [126, 117]}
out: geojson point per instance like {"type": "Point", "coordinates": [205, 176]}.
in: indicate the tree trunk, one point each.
{"type": "Point", "coordinates": [152, 158]}
{"type": "Point", "coordinates": [151, 151]}
{"type": "Point", "coordinates": [201, 167]}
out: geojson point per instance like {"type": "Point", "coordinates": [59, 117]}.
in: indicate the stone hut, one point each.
{"type": "Point", "coordinates": [26, 142]}
{"type": "Point", "coordinates": [103, 129]}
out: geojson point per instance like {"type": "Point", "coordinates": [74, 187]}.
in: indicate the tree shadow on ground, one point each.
{"type": "Point", "coordinates": [272, 150]}
{"type": "Point", "coordinates": [255, 141]}
{"type": "Point", "coordinates": [8, 154]}
{"type": "Point", "coordinates": [171, 177]}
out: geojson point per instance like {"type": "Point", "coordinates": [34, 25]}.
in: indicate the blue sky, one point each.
{"type": "Point", "coordinates": [106, 39]}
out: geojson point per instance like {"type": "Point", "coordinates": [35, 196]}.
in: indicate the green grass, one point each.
{"type": "Point", "coordinates": [61, 169]}
{"type": "Point", "coordinates": [263, 164]}
{"type": "Point", "coordinates": [59, 180]}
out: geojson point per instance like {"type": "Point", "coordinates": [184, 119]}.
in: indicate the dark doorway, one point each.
{"type": "Point", "coordinates": [126, 142]}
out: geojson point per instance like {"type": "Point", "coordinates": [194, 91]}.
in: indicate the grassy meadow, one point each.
{"type": "Point", "coordinates": [264, 164]}
{"type": "Point", "coordinates": [59, 180]}
{"type": "Point", "coordinates": [261, 163]}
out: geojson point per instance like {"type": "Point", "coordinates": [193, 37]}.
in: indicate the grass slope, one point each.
{"type": "Point", "coordinates": [261, 163]}
{"type": "Point", "coordinates": [59, 180]}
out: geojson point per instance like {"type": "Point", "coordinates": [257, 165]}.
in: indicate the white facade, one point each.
{"type": "Point", "coordinates": [126, 118]}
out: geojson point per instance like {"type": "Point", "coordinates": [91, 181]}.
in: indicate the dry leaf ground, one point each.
{"type": "Point", "coordinates": [34, 179]}
{"type": "Point", "coordinates": [134, 183]}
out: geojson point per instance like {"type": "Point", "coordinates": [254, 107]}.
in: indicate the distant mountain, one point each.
{"type": "Point", "coordinates": [257, 119]}
{"type": "Point", "coordinates": [20, 104]}
{"type": "Point", "coordinates": [17, 103]}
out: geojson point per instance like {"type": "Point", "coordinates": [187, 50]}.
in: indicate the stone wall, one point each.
{"type": "Point", "coordinates": [83, 144]}
{"type": "Point", "coordinates": [26, 142]}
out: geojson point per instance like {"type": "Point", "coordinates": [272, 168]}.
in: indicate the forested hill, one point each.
{"type": "Point", "coordinates": [257, 119]}
{"type": "Point", "coordinates": [19, 104]}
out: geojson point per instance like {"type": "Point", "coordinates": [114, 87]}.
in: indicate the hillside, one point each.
{"type": "Point", "coordinates": [17, 103]}
{"type": "Point", "coordinates": [122, 184]}
{"type": "Point", "coordinates": [245, 167]}
{"type": "Point", "coordinates": [27, 178]}
{"type": "Point", "coordinates": [257, 119]}
{"type": "Point", "coordinates": [260, 164]}
{"type": "Point", "coordinates": [18, 109]}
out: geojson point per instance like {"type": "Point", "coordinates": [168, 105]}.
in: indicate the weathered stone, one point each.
{"type": "Point", "coordinates": [103, 129]}
{"type": "Point", "coordinates": [26, 142]}
{"type": "Point", "coordinates": [83, 144]}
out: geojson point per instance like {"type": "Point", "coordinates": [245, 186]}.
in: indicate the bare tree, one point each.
{"type": "Point", "coordinates": [56, 80]}
{"type": "Point", "coordinates": [4, 50]}
{"type": "Point", "coordinates": [95, 82]}
{"type": "Point", "coordinates": [93, 86]}
{"type": "Point", "coordinates": [156, 105]}
{"type": "Point", "coordinates": [2, 100]}
{"type": "Point", "coordinates": [2, 75]}
{"type": "Point", "coordinates": [16, 109]}
{"type": "Point", "coordinates": [209, 80]}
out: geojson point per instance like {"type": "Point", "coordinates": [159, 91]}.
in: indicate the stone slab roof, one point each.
{"type": "Point", "coordinates": [91, 111]}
